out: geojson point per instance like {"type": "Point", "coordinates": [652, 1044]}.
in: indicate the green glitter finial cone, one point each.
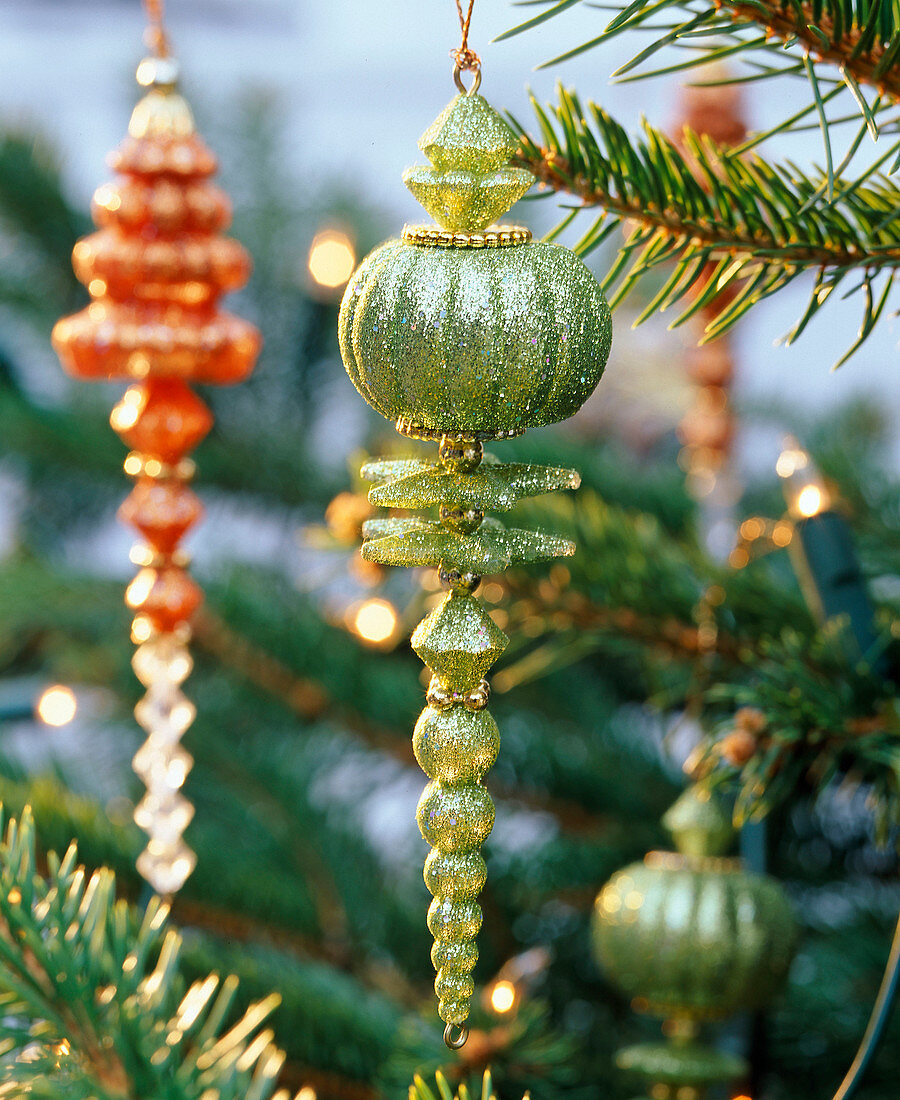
{"type": "Point", "coordinates": [471, 183]}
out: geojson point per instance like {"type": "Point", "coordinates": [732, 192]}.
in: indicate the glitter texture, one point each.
{"type": "Point", "coordinates": [459, 641]}
{"type": "Point", "coordinates": [462, 335]}
{"type": "Point", "coordinates": [470, 183]}
{"type": "Point", "coordinates": [467, 201]}
{"type": "Point", "coordinates": [493, 486]}
{"type": "Point", "coordinates": [455, 745]}
{"type": "Point", "coordinates": [475, 339]}
{"type": "Point", "coordinates": [468, 133]}
{"type": "Point", "coordinates": [490, 549]}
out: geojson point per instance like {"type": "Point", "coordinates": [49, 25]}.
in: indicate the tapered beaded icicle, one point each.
{"type": "Point", "coordinates": [464, 332]}
{"type": "Point", "coordinates": [155, 272]}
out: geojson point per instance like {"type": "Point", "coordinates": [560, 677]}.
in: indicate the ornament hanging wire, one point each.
{"type": "Point", "coordinates": [155, 36]}
{"type": "Point", "coordinates": [464, 58]}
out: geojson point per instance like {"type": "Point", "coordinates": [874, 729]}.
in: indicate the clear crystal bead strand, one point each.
{"type": "Point", "coordinates": [162, 664]}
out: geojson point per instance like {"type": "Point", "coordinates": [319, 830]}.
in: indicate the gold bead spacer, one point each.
{"type": "Point", "coordinates": [409, 428]}
{"type": "Point", "coordinates": [148, 558]}
{"type": "Point", "coordinates": [138, 465]}
{"type": "Point", "coordinates": [442, 698]}
{"type": "Point", "coordinates": [432, 236]}
{"type": "Point", "coordinates": [460, 581]}
{"type": "Point", "coordinates": [460, 456]}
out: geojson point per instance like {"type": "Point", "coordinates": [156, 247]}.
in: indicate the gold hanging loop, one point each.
{"type": "Point", "coordinates": [465, 59]}
{"type": "Point", "coordinates": [455, 1042]}
{"type": "Point", "coordinates": [458, 81]}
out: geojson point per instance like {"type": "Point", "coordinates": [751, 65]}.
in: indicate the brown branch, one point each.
{"type": "Point", "coordinates": [784, 23]}
{"type": "Point", "coordinates": [327, 1086]}
{"type": "Point", "coordinates": [670, 635]}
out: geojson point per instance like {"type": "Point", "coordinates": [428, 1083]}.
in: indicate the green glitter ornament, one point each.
{"type": "Point", "coordinates": [462, 332]}
{"type": "Point", "coordinates": [691, 936]}
{"type": "Point", "coordinates": [470, 332]}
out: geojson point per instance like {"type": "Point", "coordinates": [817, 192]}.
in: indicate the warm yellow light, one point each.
{"type": "Point", "coordinates": [57, 706]}
{"type": "Point", "coordinates": [503, 996]}
{"type": "Point", "coordinates": [375, 621]}
{"type": "Point", "coordinates": [306, 1093]}
{"type": "Point", "coordinates": [332, 258]}
{"type": "Point", "coordinates": [141, 629]}
{"type": "Point", "coordinates": [791, 460]}
{"type": "Point", "coordinates": [809, 501]}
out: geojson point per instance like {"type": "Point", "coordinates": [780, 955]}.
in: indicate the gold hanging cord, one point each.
{"type": "Point", "coordinates": [155, 36]}
{"type": "Point", "coordinates": [464, 58]}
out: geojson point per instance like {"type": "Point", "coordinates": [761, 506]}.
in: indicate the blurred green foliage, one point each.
{"type": "Point", "coordinates": [309, 878]}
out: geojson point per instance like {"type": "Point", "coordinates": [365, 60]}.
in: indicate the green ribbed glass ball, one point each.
{"type": "Point", "coordinates": [474, 340]}
{"type": "Point", "coordinates": [686, 936]}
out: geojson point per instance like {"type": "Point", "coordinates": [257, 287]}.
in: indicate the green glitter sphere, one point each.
{"type": "Point", "coordinates": [482, 340]}
{"type": "Point", "coordinates": [456, 745]}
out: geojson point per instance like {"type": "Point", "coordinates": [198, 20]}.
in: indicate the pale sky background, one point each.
{"type": "Point", "coordinates": [359, 81]}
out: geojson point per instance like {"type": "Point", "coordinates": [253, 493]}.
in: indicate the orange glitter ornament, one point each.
{"type": "Point", "coordinates": [163, 511]}
{"type": "Point", "coordinates": [155, 270]}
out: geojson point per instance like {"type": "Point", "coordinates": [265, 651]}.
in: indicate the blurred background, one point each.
{"type": "Point", "coordinates": [309, 873]}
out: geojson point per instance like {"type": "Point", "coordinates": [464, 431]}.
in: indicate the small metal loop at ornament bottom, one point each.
{"type": "Point", "coordinates": [457, 80]}
{"type": "Point", "coordinates": [461, 1039]}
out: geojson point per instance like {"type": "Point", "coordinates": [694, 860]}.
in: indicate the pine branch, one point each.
{"type": "Point", "coordinates": [308, 699]}
{"type": "Point", "coordinates": [860, 37]}
{"type": "Point", "coordinates": [421, 1090]}
{"type": "Point", "coordinates": [94, 1004]}
{"type": "Point", "coordinates": [717, 220]}
{"type": "Point", "coordinates": [820, 721]}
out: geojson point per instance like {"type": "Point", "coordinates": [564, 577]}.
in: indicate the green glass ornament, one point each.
{"type": "Point", "coordinates": [691, 936]}
{"type": "Point", "coordinates": [462, 332]}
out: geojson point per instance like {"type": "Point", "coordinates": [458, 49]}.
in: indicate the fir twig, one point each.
{"type": "Point", "coordinates": [860, 37]}
{"type": "Point", "coordinates": [94, 1004]}
{"type": "Point", "coordinates": [720, 218]}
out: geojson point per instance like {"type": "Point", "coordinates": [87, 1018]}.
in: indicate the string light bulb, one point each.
{"type": "Point", "coordinates": [332, 258]}
{"type": "Point", "coordinates": [375, 621]}
{"type": "Point", "coordinates": [503, 997]}
{"type": "Point", "coordinates": [57, 706]}
{"type": "Point", "coordinates": [804, 488]}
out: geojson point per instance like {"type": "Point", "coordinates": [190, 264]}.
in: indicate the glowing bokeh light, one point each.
{"type": "Point", "coordinates": [503, 996]}
{"type": "Point", "coordinates": [809, 501]}
{"type": "Point", "coordinates": [332, 258]}
{"type": "Point", "coordinates": [57, 706]}
{"type": "Point", "coordinates": [375, 621]}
